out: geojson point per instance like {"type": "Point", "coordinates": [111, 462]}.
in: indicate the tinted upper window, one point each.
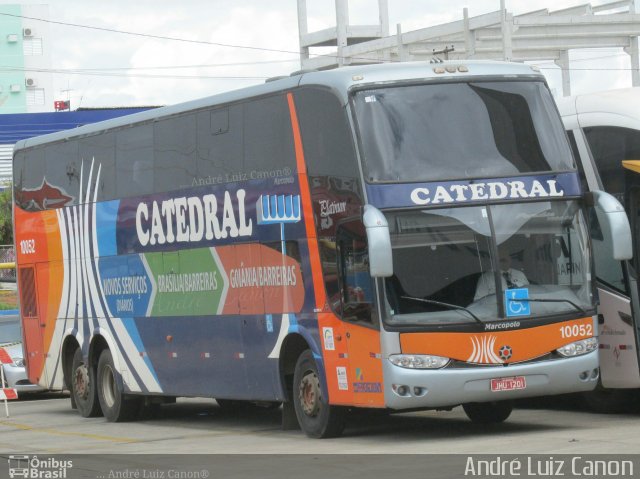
{"type": "Point", "coordinates": [326, 134]}
{"type": "Point", "coordinates": [251, 140]}
{"type": "Point", "coordinates": [460, 130]}
{"type": "Point", "coordinates": [268, 138]}
{"type": "Point", "coordinates": [134, 161]}
{"type": "Point", "coordinates": [97, 154]}
{"type": "Point", "coordinates": [610, 146]}
{"type": "Point", "coordinates": [245, 141]}
{"type": "Point", "coordinates": [174, 145]}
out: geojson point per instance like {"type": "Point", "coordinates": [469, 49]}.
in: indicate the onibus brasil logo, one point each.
{"type": "Point", "coordinates": [36, 468]}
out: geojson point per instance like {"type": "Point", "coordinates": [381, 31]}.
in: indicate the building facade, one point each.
{"type": "Point", "coordinates": [26, 81]}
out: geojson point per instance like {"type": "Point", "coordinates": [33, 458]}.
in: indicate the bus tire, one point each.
{"type": "Point", "coordinates": [488, 412]}
{"type": "Point", "coordinates": [316, 417]}
{"type": "Point", "coordinates": [116, 406]}
{"type": "Point", "coordinates": [84, 394]}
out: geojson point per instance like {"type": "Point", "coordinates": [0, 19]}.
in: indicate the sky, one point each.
{"type": "Point", "coordinates": [147, 70]}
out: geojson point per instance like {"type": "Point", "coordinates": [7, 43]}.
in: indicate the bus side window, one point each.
{"type": "Point", "coordinates": [356, 285]}
{"type": "Point", "coordinates": [219, 145]}
{"type": "Point", "coordinates": [578, 160]}
{"type": "Point", "coordinates": [28, 176]}
{"type": "Point", "coordinates": [62, 167]}
{"type": "Point", "coordinates": [329, 259]}
{"type": "Point", "coordinates": [174, 144]}
{"type": "Point", "coordinates": [268, 138]}
{"type": "Point", "coordinates": [134, 161]}
{"type": "Point", "coordinates": [608, 270]}
{"type": "Point", "coordinates": [99, 152]}
{"type": "Point", "coordinates": [609, 147]}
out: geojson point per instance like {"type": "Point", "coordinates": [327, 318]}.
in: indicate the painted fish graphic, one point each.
{"type": "Point", "coordinates": [43, 197]}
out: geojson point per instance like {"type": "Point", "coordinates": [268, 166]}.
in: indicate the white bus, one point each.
{"type": "Point", "coordinates": [604, 132]}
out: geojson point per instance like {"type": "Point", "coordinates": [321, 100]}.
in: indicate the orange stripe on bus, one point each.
{"type": "Point", "coordinates": [314, 253]}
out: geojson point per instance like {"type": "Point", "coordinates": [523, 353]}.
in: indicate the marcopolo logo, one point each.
{"type": "Point", "coordinates": [37, 468]}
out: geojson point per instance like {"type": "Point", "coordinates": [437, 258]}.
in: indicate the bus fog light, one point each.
{"type": "Point", "coordinates": [419, 361]}
{"type": "Point", "coordinates": [400, 389]}
{"type": "Point", "coordinates": [578, 348]}
{"type": "Point", "coordinates": [418, 391]}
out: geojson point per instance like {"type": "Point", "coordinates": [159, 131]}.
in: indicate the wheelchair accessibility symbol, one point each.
{"type": "Point", "coordinates": [512, 305]}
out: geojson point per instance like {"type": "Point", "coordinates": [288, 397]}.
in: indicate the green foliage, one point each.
{"type": "Point", "coordinates": [6, 217]}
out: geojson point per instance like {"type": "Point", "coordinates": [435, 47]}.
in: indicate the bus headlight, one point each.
{"type": "Point", "coordinates": [578, 348]}
{"type": "Point", "coordinates": [419, 361]}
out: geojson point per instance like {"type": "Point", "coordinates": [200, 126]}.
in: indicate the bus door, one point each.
{"type": "Point", "coordinates": [629, 350]}
{"type": "Point", "coordinates": [33, 329]}
{"type": "Point", "coordinates": [601, 151]}
{"type": "Point", "coordinates": [360, 316]}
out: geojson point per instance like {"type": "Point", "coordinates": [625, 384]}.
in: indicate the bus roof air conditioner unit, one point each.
{"type": "Point", "coordinates": [30, 82]}
{"type": "Point", "coordinates": [27, 32]}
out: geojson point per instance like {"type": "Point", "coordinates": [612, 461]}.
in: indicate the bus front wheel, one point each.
{"type": "Point", "coordinates": [316, 417]}
{"type": "Point", "coordinates": [488, 412]}
{"type": "Point", "coordinates": [116, 406]}
{"type": "Point", "coordinates": [83, 387]}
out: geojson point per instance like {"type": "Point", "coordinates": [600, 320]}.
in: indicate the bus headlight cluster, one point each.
{"type": "Point", "coordinates": [577, 348]}
{"type": "Point", "coordinates": [418, 361]}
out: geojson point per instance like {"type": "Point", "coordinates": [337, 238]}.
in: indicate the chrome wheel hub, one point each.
{"type": "Point", "coordinates": [309, 394]}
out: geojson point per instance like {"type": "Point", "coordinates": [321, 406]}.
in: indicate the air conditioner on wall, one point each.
{"type": "Point", "coordinates": [27, 32]}
{"type": "Point", "coordinates": [30, 82]}
{"type": "Point", "coordinates": [15, 88]}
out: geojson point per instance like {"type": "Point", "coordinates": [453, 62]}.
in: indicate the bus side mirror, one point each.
{"type": "Point", "coordinates": [616, 222]}
{"type": "Point", "coordinates": [379, 242]}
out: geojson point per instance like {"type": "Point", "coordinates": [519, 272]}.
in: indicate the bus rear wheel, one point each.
{"type": "Point", "coordinates": [488, 412]}
{"type": "Point", "coordinates": [83, 387]}
{"type": "Point", "coordinates": [116, 406]}
{"type": "Point", "coordinates": [316, 417]}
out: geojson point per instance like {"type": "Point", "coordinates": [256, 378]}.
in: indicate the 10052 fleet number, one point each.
{"type": "Point", "coordinates": [28, 246]}
{"type": "Point", "coordinates": [576, 330]}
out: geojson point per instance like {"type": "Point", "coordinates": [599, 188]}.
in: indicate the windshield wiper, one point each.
{"type": "Point", "coordinates": [445, 305]}
{"type": "Point", "coordinates": [548, 300]}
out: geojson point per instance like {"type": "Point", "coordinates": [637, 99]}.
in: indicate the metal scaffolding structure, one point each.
{"type": "Point", "coordinates": [540, 35]}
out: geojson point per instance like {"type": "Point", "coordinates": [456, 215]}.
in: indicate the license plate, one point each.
{"type": "Point", "coordinates": [508, 384]}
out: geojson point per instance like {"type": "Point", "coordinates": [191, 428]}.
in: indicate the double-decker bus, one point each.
{"type": "Point", "coordinates": [401, 236]}
{"type": "Point", "coordinates": [604, 131]}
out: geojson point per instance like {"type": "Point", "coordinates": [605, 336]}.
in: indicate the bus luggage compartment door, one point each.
{"type": "Point", "coordinates": [32, 327]}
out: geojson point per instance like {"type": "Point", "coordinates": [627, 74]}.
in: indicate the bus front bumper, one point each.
{"type": "Point", "coordinates": [441, 388]}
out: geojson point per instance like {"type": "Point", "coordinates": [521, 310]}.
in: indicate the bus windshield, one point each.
{"type": "Point", "coordinates": [460, 130]}
{"type": "Point", "coordinates": [483, 263]}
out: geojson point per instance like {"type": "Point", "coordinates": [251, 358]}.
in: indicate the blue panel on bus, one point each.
{"type": "Point", "coordinates": [107, 215]}
{"type": "Point", "coordinates": [126, 285]}
{"type": "Point", "coordinates": [221, 356]}
{"type": "Point", "coordinates": [474, 191]}
{"type": "Point", "coordinates": [130, 325]}
{"type": "Point", "coordinates": [212, 215]}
